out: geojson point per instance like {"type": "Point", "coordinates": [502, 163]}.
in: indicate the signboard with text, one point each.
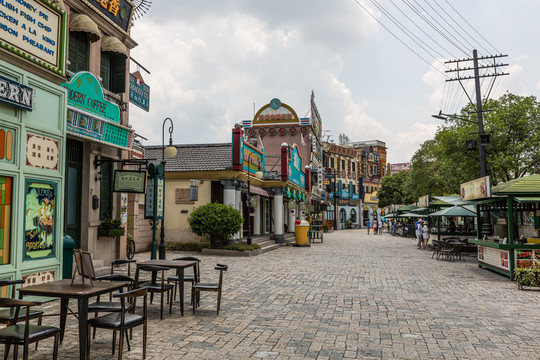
{"type": "Point", "coordinates": [476, 189]}
{"type": "Point", "coordinates": [14, 93]}
{"type": "Point", "coordinates": [296, 175]}
{"type": "Point", "coordinates": [139, 94]}
{"type": "Point", "coordinates": [118, 12]}
{"type": "Point", "coordinates": [36, 31]}
{"type": "Point", "coordinates": [130, 181]}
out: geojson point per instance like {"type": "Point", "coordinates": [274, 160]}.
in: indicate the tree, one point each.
{"type": "Point", "coordinates": [215, 221]}
{"type": "Point", "coordinates": [443, 163]}
{"type": "Point", "coordinates": [394, 190]}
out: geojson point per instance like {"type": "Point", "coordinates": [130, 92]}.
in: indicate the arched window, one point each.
{"type": "Point", "coordinates": [353, 216]}
{"type": "Point", "coordinates": [342, 216]}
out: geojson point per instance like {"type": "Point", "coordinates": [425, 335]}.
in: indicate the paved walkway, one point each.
{"type": "Point", "coordinates": [352, 297]}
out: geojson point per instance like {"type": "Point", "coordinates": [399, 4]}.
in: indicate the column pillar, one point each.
{"type": "Point", "coordinates": [292, 214]}
{"type": "Point", "coordinates": [257, 217]}
{"type": "Point", "coordinates": [278, 215]}
{"type": "Point", "coordinates": [239, 207]}
{"type": "Point", "coordinates": [229, 198]}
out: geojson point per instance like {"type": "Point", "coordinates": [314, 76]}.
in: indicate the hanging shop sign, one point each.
{"type": "Point", "coordinates": [476, 189]}
{"type": "Point", "coordinates": [13, 92]}
{"type": "Point", "coordinates": [129, 181]}
{"type": "Point", "coordinates": [35, 30]}
{"type": "Point", "coordinates": [117, 12]}
{"type": "Point", "coordinates": [154, 201]}
{"type": "Point", "coordinates": [39, 219]}
{"type": "Point", "coordinates": [296, 175]}
{"type": "Point", "coordinates": [92, 117]}
{"type": "Point", "coordinates": [139, 93]}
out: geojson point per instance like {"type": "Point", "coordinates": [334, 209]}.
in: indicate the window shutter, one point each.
{"type": "Point", "coordinates": [105, 70]}
{"type": "Point", "coordinates": [118, 74]}
{"type": "Point", "coordinates": [78, 51]}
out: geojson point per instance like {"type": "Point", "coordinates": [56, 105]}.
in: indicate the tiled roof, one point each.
{"type": "Point", "coordinates": [198, 157]}
{"type": "Point", "coordinates": [526, 185]}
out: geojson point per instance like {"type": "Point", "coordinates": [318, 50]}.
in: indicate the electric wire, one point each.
{"type": "Point", "coordinates": [483, 38]}
{"type": "Point", "coordinates": [407, 31]}
{"type": "Point", "coordinates": [396, 37]}
{"type": "Point", "coordinates": [423, 17]}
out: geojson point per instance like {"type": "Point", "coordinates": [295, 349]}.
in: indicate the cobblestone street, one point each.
{"type": "Point", "coordinates": [352, 297]}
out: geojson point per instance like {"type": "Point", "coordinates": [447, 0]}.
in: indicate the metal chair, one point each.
{"type": "Point", "coordinates": [156, 284]}
{"type": "Point", "coordinates": [122, 321]}
{"type": "Point", "coordinates": [112, 306]}
{"type": "Point", "coordinates": [196, 288]}
{"type": "Point", "coordinates": [7, 316]}
{"type": "Point", "coordinates": [187, 278]}
{"type": "Point", "coordinates": [26, 334]}
{"type": "Point", "coordinates": [118, 262]}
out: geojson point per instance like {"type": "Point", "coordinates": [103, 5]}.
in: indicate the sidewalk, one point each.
{"type": "Point", "coordinates": [352, 297]}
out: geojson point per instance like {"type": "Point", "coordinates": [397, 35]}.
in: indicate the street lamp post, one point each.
{"type": "Point", "coordinates": [170, 152]}
{"type": "Point", "coordinates": [258, 175]}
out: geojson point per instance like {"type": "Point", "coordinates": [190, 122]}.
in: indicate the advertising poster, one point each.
{"type": "Point", "coordinates": [39, 216]}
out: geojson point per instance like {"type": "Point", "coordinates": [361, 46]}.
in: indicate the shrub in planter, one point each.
{"type": "Point", "coordinates": [111, 227]}
{"type": "Point", "coordinates": [215, 221]}
{"type": "Point", "coordinates": [527, 276]}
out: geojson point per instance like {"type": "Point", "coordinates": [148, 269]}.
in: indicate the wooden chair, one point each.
{"type": "Point", "coordinates": [122, 321]}
{"type": "Point", "coordinates": [26, 334]}
{"type": "Point", "coordinates": [216, 287]}
{"type": "Point", "coordinates": [156, 284]}
{"type": "Point", "coordinates": [187, 277]}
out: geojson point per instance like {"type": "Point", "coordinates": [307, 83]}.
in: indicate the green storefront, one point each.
{"type": "Point", "coordinates": [32, 143]}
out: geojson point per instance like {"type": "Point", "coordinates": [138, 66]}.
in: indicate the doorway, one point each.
{"type": "Point", "coordinates": [72, 211]}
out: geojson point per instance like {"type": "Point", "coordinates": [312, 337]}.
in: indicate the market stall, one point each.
{"type": "Point", "coordinates": [514, 241]}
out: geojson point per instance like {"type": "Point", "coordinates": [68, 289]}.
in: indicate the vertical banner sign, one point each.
{"type": "Point", "coordinates": [124, 207]}
{"type": "Point", "coordinates": [149, 199]}
{"type": "Point", "coordinates": [320, 178]}
{"type": "Point", "coordinates": [160, 197]}
{"type": "Point", "coordinates": [39, 224]}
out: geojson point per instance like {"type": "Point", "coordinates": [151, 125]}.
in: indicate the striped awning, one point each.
{"type": "Point", "coordinates": [110, 43]}
{"type": "Point", "coordinates": [81, 22]}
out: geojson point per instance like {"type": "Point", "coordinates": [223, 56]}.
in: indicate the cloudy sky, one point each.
{"type": "Point", "coordinates": [213, 61]}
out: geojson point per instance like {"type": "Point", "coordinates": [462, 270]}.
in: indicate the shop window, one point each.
{"type": "Point", "coordinates": [106, 191]}
{"type": "Point", "coordinates": [113, 71]}
{"type": "Point", "coordinates": [78, 51]}
{"type": "Point", "coordinates": [5, 221]}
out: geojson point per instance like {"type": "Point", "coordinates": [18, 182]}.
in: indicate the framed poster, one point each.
{"type": "Point", "coordinates": [39, 219]}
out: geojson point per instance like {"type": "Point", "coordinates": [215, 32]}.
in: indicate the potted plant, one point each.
{"type": "Point", "coordinates": [111, 227]}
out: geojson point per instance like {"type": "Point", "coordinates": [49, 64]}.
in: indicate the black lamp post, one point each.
{"type": "Point", "coordinates": [258, 175]}
{"type": "Point", "coordinates": [170, 151]}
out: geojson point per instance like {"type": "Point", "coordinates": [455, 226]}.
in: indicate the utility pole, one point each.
{"type": "Point", "coordinates": [483, 139]}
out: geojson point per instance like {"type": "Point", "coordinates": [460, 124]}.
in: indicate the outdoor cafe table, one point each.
{"type": "Point", "coordinates": [82, 292]}
{"type": "Point", "coordinates": [179, 265]}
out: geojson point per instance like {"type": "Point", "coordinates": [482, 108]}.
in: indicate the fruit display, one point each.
{"type": "Point", "coordinates": [524, 254]}
{"type": "Point", "coordinates": [524, 263]}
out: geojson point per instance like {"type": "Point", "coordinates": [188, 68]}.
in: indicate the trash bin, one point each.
{"type": "Point", "coordinates": [67, 265]}
{"type": "Point", "coordinates": [301, 228]}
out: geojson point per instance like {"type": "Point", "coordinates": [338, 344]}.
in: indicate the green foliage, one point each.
{"type": "Point", "coordinates": [187, 246]}
{"type": "Point", "coordinates": [215, 221]}
{"type": "Point", "coordinates": [395, 190]}
{"type": "Point", "coordinates": [242, 247]}
{"type": "Point", "coordinates": [111, 227]}
{"type": "Point", "coordinates": [443, 163]}
{"type": "Point", "coordinates": [527, 276]}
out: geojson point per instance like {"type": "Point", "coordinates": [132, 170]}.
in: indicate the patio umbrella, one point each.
{"type": "Point", "coordinates": [454, 211]}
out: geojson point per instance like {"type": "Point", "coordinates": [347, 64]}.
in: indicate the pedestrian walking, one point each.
{"type": "Point", "coordinates": [425, 235]}
{"type": "Point", "coordinates": [419, 235]}
{"type": "Point", "coordinates": [368, 226]}
{"type": "Point", "coordinates": [375, 227]}
{"type": "Point", "coordinates": [380, 227]}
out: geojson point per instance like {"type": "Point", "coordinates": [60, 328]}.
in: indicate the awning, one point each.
{"type": "Point", "coordinates": [454, 211]}
{"type": "Point", "coordinates": [257, 190]}
{"type": "Point", "coordinates": [81, 22]}
{"type": "Point", "coordinates": [527, 199]}
{"type": "Point", "coordinates": [110, 43]}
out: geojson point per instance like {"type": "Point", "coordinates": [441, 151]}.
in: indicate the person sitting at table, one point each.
{"type": "Point", "coordinates": [452, 226]}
